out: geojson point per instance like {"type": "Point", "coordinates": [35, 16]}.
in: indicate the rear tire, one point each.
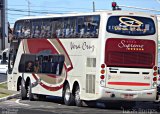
{"type": "Point", "coordinates": [78, 101]}
{"type": "Point", "coordinates": [23, 90]}
{"type": "Point", "coordinates": [68, 96]}
{"type": "Point", "coordinates": [30, 92]}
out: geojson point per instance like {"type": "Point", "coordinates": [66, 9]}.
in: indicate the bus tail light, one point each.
{"type": "Point", "coordinates": [155, 79]}
{"type": "Point", "coordinates": [155, 71]}
{"type": "Point", "coordinates": [102, 71]}
{"type": "Point", "coordinates": [155, 68]}
{"type": "Point", "coordinates": [102, 77]}
{"type": "Point", "coordinates": [102, 65]}
{"type": "Point", "coordinates": [155, 74]}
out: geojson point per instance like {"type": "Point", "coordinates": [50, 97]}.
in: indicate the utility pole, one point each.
{"type": "Point", "coordinates": [93, 6]}
{"type": "Point", "coordinates": [158, 1]}
{"type": "Point", "coordinates": [28, 7]}
{"type": "Point", "coordinates": [2, 23]}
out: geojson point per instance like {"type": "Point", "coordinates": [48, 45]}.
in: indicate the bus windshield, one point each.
{"type": "Point", "coordinates": [130, 25]}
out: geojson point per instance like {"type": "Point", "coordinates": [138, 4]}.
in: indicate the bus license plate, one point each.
{"type": "Point", "coordinates": [128, 96]}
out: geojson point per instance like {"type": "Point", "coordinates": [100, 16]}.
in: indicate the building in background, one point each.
{"type": "Point", "coordinates": [3, 25]}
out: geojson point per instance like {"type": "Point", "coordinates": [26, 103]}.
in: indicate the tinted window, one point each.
{"type": "Point", "coordinates": [49, 64]}
{"type": "Point", "coordinates": [130, 25]}
{"type": "Point", "coordinates": [22, 29]}
{"type": "Point", "coordinates": [64, 27]}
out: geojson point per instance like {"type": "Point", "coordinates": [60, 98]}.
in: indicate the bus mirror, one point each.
{"type": "Point", "coordinates": [0, 56]}
{"type": "Point", "coordinates": [4, 58]}
{"type": "Point", "coordinates": [158, 70]}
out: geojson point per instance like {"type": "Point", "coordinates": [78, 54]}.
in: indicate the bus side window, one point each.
{"type": "Point", "coordinates": [36, 28]}
{"type": "Point", "coordinates": [45, 64]}
{"type": "Point", "coordinates": [60, 65]}
{"type": "Point", "coordinates": [46, 29]}
{"type": "Point", "coordinates": [54, 63]}
{"type": "Point", "coordinates": [29, 66]}
{"type": "Point", "coordinates": [54, 27]}
{"type": "Point", "coordinates": [37, 65]}
{"type": "Point", "coordinates": [37, 32]}
{"type": "Point", "coordinates": [40, 60]}
{"type": "Point", "coordinates": [72, 27]}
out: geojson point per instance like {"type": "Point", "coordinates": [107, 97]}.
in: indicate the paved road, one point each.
{"type": "Point", "coordinates": [54, 106]}
{"type": "Point", "coordinates": [3, 78]}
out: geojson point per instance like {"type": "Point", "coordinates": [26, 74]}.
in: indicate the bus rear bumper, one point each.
{"type": "Point", "coordinates": [143, 95]}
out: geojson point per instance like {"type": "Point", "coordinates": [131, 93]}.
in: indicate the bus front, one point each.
{"type": "Point", "coordinates": [129, 70]}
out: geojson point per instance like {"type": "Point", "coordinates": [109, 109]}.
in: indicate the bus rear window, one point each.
{"type": "Point", "coordinates": [130, 25]}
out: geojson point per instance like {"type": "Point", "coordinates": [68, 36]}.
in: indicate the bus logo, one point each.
{"type": "Point", "coordinates": [128, 21]}
{"type": "Point", "coordinates": [131, 45]}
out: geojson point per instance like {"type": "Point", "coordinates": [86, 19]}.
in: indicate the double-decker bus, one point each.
{"type": "Point", "coordinates": [105, 55]}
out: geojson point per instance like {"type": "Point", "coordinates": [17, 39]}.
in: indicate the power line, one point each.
{"type": "Point", "coordinates": [42, 10]}
{"type": "Point", "coordinates": [53, 7]}
{"type": "Point", "coordinates": [148, 9]}
{"type": "Point", "coordinates": [16, 14]}
{"type": "Point", "coordinates": [38, 11]}
{"type": "Point", "coordinates": [158, 1]}
{"type": "Point", "coordinates": [11, 18]}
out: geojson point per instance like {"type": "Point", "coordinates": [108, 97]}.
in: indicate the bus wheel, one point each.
{"type": "Point", "coordinates": [30, 94]}
{"type": "Point", "coordinates": [78, 101]}
{"type": "Point", "coordinates": [23, 90]}
{"type": "Point", "coordinates": [68, 96]}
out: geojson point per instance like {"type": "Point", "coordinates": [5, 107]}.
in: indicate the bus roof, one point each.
{"type": "Point", "coordinates": [72, 14]}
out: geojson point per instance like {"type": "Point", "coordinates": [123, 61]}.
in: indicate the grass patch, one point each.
{"type": "Point", "coordinates": [4, 85]}
{"type": "Point", "coordinates": [3, 95]}
{"type": "Point", "coordinates": [3, 90]}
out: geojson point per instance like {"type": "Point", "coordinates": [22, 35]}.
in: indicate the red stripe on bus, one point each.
{"type": "Point", "coordinates": [34, 49]}
{"type": "Point", "coordinates": [60, 43]}
{"type": "Point", "coordinates": [34, 76]}
{"type": "Point", "coordinates": [48, 87]}
{"type": "Point", "coordinates": [52, 76]}
{"type": "Point", "coordinates": [51, 88]}
{"type": "Point", "coordinates": [129, 83]}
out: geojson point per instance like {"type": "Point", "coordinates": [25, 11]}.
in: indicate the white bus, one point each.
{"type": "Point", "coordinates": [107, 55]}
